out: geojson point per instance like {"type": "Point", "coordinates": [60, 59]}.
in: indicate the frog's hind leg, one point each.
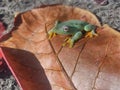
{"type": "Point", "coordinates": [91, 34]}
{"type": "Point", "coordinates": [77, 36]}
{"type": "Point", "coordinates": [90, 29]}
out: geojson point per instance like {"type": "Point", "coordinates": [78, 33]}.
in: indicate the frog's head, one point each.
{"type": "Point", "coordinates": [61, 28]}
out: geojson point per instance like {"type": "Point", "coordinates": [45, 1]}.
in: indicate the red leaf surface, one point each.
{"type": "Point", "coordinates": [42, 64]}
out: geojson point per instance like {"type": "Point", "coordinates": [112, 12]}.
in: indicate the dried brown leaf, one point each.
{"type": "Point", "coordinates": [42, 64]}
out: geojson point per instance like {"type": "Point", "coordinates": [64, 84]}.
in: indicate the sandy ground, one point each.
{"type": "Point", "coordinates": [108, 12]}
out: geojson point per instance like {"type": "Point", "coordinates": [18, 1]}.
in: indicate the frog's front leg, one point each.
{"type": "Point", "coordinates": [74, 38]}
{"type": "Point", "coordinates": [51, 34]}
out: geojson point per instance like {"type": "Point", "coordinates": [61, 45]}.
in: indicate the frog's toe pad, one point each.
{"type": "Point", "coordinates": [64, 44]}
{"type": "Point", "coordinates": [68, 41]}
{"type": "Point", "coordinates": [90, 34]}
{"type": "Point", "coordinates": [51, 35]}
{"type": "Point", "coordinates": [95, 34]}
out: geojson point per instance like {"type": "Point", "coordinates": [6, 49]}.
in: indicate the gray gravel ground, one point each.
{"type": "Point", "coordinates": [108, 12]}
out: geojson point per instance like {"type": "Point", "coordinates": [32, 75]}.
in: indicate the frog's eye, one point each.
{"type": "Point", "coordinates": [65, 28]}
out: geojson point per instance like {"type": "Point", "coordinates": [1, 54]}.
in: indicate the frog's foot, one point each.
{"type": "Point", "coordinates": [65, 41]}
{"type": "Point", "coordinates": [54, 34]}
{"type": "Point", "coordinates": [51, 35]}
{"type": "Point", "coordinates": [90, 34]}
{"type": "Point", "coordinates": [69, 41]}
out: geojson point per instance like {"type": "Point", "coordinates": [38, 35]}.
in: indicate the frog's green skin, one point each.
{"type": "Point", "coordinates": [75, 28]}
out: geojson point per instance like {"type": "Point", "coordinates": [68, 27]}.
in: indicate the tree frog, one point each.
{"type": "Point", "coordinates": [73, 28]}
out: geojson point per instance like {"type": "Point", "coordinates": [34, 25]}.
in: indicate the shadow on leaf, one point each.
{"type": "Point", "coordinates": [26, 69]}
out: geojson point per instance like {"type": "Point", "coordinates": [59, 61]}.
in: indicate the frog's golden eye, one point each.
{"type": "Point", "coordinates": [65, 28]}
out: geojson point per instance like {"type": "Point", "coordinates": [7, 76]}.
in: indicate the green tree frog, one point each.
{"type": "Point", "coordinates": [74, 28]}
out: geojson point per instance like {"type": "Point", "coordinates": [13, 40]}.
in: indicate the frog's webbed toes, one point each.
{"type": "Point", "coordinates": [95, 34]}
{"type": "Point", "coordinates": [54, 34]}
{"type": "Point", "coordinates": [90, 34]}
{"type": "Point", "coordinates": [65, 41]}
{"type": "Point", "coordinates": [51, 34]}
{"type": "Point", "coordinates": [71, 43]}
{"type": "Point", "coordinates": [68, 41]}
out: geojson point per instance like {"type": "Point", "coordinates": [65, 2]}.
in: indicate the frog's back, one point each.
{"type": "Point", "coordinates": [77, 25]}
{"type": "Point", "coordinates": [75, 22]}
